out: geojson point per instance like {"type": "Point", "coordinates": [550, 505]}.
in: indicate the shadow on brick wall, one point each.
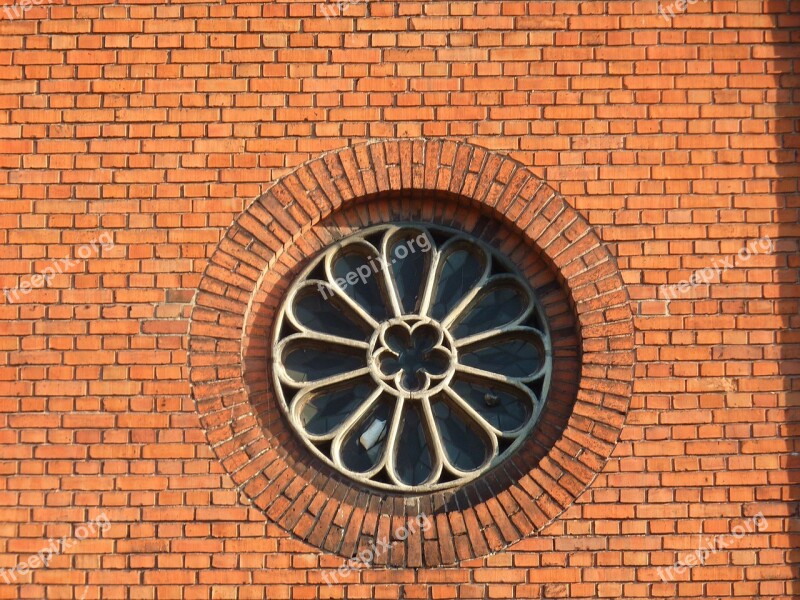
{"type": "Point", "coordinates": [784, 172]}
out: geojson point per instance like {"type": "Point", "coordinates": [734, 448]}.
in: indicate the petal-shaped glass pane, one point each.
{"type": "Point", "coordinates": [460, 268]}
{"type": "Point", "coordinates": [505, 408]}
{"type": "Point", "coordinates": [436, 362]}
{"type": "Point", "coordinates": [408, 255]}
{"type": "Point", "coordinates": [306, 360]}
{"type": "Point", "coordinates": [466, 447]}
{"type": "Point", "coordinates": [398, 338]}
{"type": "Point", "coordinates": [413, 378]}
{"type": "Point", "coordinates": [357, 273]}
{"type": "Point", "coordinates": [425, 337]}
{"type": "Point", "coordinates": [327, 409]}
{"type": "Point", "coordinates": [318, 310]}
{"type": "Point", "coordinates": [413, 460]}
{"type": "Point", "coordinates": [364, 444]}
{"type": "Point", "coordinates": [388, 362]}
{"type": "Point", "coordinates": [516, 354]}
{"type": "Point", "coordinates": [500, 304]}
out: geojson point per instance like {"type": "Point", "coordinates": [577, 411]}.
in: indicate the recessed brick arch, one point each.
{"type": "Point", "coordinates": [442, 181]}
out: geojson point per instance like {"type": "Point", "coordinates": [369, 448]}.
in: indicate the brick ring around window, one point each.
{"type": "Point", "coordinates": [469, 193]}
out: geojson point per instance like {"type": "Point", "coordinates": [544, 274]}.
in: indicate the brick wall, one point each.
{"type": "Point", "coordinates": [132, 136]}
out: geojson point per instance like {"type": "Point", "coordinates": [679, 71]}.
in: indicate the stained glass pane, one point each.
{"type": "Point", "coordinates": [414, 462]}
{"type": "Point", "coordinates": [310, 363]}
{"type": "Point", "coordinates": [364, 446]}
{"type": "Point", "coordinates": [502, 408]}
{"type": "Point", "coordinates": [356, 273]}
{"type": "Point", "coordinates": [513, 357]}
{"type": "Point", "coordinates": [495, 308]}
{"type": "Point", "coordinates": [329, 409]}
{"type": "Point", "coordinates": [409, 263]}
{"type": "Point", "coordinates": [318, 311]}
{"type": "Point", "coordinates": [466, 447]}
{"type": "Point", "coordinates": [459, 272]}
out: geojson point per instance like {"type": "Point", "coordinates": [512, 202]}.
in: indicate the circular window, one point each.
{"type": "Point", "coordinates": [411, 357]}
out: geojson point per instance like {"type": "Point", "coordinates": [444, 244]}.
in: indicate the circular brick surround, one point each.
{"type": "Point", "coordinates": [439, 181]}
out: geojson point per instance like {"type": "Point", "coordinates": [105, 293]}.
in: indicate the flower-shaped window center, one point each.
{"type": "Point", "coordinates": [412, 357]}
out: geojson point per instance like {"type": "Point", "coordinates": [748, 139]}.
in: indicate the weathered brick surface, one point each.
{"type": "Point", "coordinates": [158, 124]}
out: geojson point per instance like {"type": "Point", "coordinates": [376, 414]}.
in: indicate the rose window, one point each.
{"type": "Point", "coordinates": [411, 357]}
